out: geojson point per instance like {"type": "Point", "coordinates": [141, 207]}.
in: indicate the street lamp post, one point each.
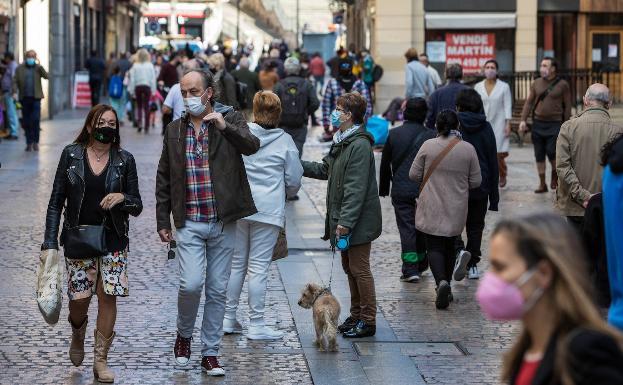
{"type": "Point", "coordinates": [238, 21]}
{"type": "Point", "coordinates": [297, 23]}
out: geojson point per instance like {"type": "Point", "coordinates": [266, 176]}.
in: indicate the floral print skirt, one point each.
{"type": "Point", "coordinates": [82, 275]}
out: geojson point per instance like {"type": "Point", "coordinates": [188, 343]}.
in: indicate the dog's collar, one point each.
{"type": "Point", "coordinates": [324, 291]}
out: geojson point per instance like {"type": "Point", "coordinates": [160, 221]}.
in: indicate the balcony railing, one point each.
{"type": "Point", "coordinates": [579, 80]}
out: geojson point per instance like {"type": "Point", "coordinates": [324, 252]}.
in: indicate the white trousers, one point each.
{"type": "Point", "coordinates": [255, 242]}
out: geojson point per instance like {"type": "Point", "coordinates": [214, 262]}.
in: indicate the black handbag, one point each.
{"type": "Point", "coordinates": [84, 241]}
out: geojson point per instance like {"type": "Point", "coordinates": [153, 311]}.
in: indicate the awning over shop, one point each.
{"type": "Point", "coordinates": [468, 20]}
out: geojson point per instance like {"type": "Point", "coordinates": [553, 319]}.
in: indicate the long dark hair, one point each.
{"type": "Point", "coordinates": [85, 137]}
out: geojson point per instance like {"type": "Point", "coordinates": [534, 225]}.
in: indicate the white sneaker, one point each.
{"type": "Point", "coordinates": [263, 333]}
{"type": "Point", "coordinates": [460, 267]}
{"type": "Point", "coordinates": [473, 273]}
{"type": "Point", "coordinates": [231, 326]}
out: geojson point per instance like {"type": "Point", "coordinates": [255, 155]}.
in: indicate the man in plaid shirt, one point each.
{"type": "Point", "coordinates": [345, 82]}
{"type": "Point", "coordinates": [202, 181]}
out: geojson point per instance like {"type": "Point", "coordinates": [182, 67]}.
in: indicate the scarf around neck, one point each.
{"type": "Point", "coordinates": [340, 136]}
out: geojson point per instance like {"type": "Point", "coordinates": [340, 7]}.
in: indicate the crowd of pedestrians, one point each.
{"type": "Point", "coordinates": [233, 139]}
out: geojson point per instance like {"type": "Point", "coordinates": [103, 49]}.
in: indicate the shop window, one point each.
{"type": "Point", "coordinates": [504, 46]}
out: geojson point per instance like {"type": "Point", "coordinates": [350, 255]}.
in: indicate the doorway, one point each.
{"type": "Point", "coordinates": [605, 58]}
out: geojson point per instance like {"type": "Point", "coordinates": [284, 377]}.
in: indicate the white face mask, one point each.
{"type": "Point", "coordinates": [194, 105]}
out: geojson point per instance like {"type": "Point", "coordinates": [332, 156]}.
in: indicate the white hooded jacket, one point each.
{"type": "Point", "coordinates": [273, 171]}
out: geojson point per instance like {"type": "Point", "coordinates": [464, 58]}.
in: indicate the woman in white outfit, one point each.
{"type": "Point", "coordinates": [274, 172]}
{"type": "Point", "coordinates": [142, 83]}
{"type": "Point", "coordinates": [496, 98]}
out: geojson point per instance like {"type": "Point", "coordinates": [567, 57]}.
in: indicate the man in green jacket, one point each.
{"type": "Point", "coordinates": [353, 207]}
{"type": "Point", "coordinates": [27, 83]}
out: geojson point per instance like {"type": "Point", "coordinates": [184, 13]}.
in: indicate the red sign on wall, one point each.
{"type": "Point", "coordinates": [470, 50]}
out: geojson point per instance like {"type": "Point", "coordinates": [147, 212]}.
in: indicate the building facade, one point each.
{"type": "Point", "coordinates": [72, 29]}
{"type": "Point", "coordinates": [581, 34]}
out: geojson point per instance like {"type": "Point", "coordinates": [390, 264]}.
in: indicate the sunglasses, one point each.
{"type": "Point", "coordinates": [172, 247]}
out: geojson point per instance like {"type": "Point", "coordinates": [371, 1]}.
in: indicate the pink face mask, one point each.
{"type": "Point", "coordinates": [490, 73]}
{"type": "Point", "coordinates": [503, 301]}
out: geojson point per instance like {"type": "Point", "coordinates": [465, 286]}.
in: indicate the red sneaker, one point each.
{"type": "Point", "coordinates": [182, 350]}
{"type": "Point", "coordinates": [211, 366]}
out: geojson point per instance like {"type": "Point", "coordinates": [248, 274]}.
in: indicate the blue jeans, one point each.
{"type": "Point", "coordinates": [205, 253]}
{"type": "Point", "coordinates": [11, 113]}
{"type": "Point", "coordinates": [31, 114]}
{"type": "Point", "coordinates": [319, 82]}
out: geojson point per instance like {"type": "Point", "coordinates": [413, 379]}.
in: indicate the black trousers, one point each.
{"type": "Point", "coordinates": [441, 256]}
{"type": "Point", "coordinates": [299, 135]}
{"type": "Point", "coordinates": [411, 239]}
{"type": "Point", "coordinates": [96, 89]}
{"type": "Point", "coordinates": [31, 115]}
{"type": "Point", "coordinates": [474, 226]}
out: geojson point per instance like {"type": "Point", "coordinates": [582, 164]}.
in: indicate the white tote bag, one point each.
{"type": "Point", "coordinates": [49, 285]}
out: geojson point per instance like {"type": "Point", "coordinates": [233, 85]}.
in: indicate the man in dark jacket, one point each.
{"type": "Point", "coordinates": [168, 72]}
{"type": "Point", "coordinates": [202, 180]}
{"type": "Point", "coordinates": [478, 132]}
{"type": "Point", "coordinates": [402, 146]}
{"type": "Point", "coordinates": [251, 79]}
{"type": "Point", "coordinates": [298, 101]}
{"type": "Point", "coordinates": [27, 82]}
{"type": "Point", "coordinates": [97, 68]}
{"type": "Point", "coordinates": [444, 97]}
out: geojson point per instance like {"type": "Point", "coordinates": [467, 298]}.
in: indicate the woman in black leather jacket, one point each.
{"type": "Point", "coordinates": [98, 183]}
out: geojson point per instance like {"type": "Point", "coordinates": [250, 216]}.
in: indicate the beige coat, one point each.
{"type": "Point", "coordinates": [578, 154]}
{"type": "Point", "coordinates": [442, 204]}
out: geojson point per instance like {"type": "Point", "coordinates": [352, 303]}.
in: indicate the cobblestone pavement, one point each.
{"type": "Point", "coordinates": [31, 352]}
{"type": "Point", "coordinates": [415, 344]}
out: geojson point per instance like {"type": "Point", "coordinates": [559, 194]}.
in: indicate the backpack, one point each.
{"type": "Point", "coordinates": [115, 87]}
{"type": "Point", "coordinates": [377, 73]}
{"type": "Point", "coordinates": [241, 94]}
{"type": "Point", "coordinates": [379, 128]}
{"type": "Point", "coordinates": [293, 95]}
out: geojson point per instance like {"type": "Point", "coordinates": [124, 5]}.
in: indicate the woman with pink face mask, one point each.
{"type": "Point", "coordinates": [497, 102]}
{"type": "Point", "coordinates": [537, 277]}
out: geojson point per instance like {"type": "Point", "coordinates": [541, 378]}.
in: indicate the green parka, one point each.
{"type": "Point", "coordinates": [352, 193]}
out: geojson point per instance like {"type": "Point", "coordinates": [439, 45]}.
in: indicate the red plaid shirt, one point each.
{"type": "Point", "coordinates": [200, 201]}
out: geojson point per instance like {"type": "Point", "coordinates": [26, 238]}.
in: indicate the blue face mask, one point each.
{"type": "Point", "coordinates": [30, 61]}
{"type": "Point", "coordinates": [335, 118]}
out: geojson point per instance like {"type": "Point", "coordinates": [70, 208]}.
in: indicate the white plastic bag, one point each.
{"type": "Point", "coordinates": [49, 285]}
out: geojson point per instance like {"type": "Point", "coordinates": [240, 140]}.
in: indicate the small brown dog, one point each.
{"type": "Point", "coordinates": [326, 310]}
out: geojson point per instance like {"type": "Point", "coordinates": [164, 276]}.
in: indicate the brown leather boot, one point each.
{"type": "Point", "coordinates": [76, 347]}
{"type": "Point", "coordinates": [542, 186]}
{"type": "Point", "coordinates": [101, 371]}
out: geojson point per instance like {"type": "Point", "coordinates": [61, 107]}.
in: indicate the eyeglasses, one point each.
{"type": "Point", "coordinates": [341, 110]}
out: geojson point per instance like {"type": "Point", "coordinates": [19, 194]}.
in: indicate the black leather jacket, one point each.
{"type": "Point", "coordinates": [68, 187]}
